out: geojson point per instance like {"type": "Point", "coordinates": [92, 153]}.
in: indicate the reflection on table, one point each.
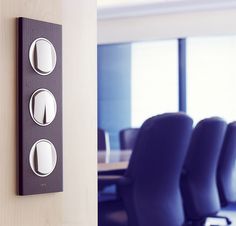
{"type": "Point", "coordinates": [113, 160]}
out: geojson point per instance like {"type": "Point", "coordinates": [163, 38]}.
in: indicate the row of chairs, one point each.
{"type": "Point", "coordinates": [127, 139]}
{"type": "Point", "coordinates": [177, 175]}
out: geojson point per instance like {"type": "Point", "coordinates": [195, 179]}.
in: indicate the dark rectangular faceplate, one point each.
{"type": "Point", "coordinates": [39, 118]}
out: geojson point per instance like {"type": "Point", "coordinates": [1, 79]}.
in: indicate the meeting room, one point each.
{"type": "Point", "coordinates": [166, 113]}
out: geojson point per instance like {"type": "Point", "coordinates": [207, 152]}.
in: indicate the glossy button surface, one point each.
{"type": "Point", "coordinates": [42, 56]}
{"type": "Point", "coordinates": [44, 161]}
{"type": "Point", "coordinates": [43, 158]}
{"type": "Point", "coordinates": [43, 107]}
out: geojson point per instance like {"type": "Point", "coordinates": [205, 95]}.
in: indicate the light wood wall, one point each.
{"type": "Point", "coordinates": [76, 206]}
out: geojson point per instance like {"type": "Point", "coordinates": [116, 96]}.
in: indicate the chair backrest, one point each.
{"type": "Point", "coordinates": [226, 173]}
{"type": "Point", "coordinates": [155, 168]}
{"type": "Point", "coordinates": [128, 138]}
{"type": "Point", "coordinates": [103, 140]}
{"type": "Point", "coordinates": [198, 182]}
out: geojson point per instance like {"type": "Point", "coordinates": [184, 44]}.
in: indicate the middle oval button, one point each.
{"type": "Point", "coordinates": [43, 107]}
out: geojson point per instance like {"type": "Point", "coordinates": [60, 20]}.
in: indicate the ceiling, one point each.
{"type": "Point", "coordinates": [123, 2]}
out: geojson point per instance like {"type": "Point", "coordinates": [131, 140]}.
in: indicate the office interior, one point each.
{"type": "Point", "coordinates": [192, 32]}
{"type": "Point", "coordinates": [156, 60]}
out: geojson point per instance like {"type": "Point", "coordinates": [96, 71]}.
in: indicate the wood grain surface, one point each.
{"type": "Point", "coordinates": [77, 205]}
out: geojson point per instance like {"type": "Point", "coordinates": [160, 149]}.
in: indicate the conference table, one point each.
{"type": "Point", "coordinates": [113, 160]}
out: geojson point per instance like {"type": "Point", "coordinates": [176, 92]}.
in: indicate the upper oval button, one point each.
{"type": "Point", "coordinates": [42, 56]}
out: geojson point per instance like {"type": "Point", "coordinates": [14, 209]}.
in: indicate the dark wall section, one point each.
{"type": "Point", "coordinates": [114, 89]}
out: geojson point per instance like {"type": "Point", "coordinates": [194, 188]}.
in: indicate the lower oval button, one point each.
{"type": "Point", "coordinates": [43, 158]}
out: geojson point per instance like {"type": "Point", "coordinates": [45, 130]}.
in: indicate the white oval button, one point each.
{"type": "Point", "coordinates": [43, 107]}
{"type": "Point", "coordinates": [43, 158]}
{"type": "Point", "coordinates": [42, 56]}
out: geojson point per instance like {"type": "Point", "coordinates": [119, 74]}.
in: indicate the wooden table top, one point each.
{"type": "Point", "coordinates": [113, 160]}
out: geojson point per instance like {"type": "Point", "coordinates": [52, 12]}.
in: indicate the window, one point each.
{"type": "Point", "coordinates": [154, 79]}
{"type": "Point", "coordinates": [139, 80]}
{"type": "Point", "coordinates": [211, 77]}
{"type": "Point", "coordinates": [135, 81]}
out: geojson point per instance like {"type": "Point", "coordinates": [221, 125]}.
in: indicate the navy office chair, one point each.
{"type": "Point", "coordinates": [198, 182]}
{"type": "Point", "coordinates": [226, 173]}
{"type": "Point", "coordinates": [128, 138]}
{"type": "Point", "coordinates": [150, 188]}
{"type": "Point", "coordinates": [103, 140]}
